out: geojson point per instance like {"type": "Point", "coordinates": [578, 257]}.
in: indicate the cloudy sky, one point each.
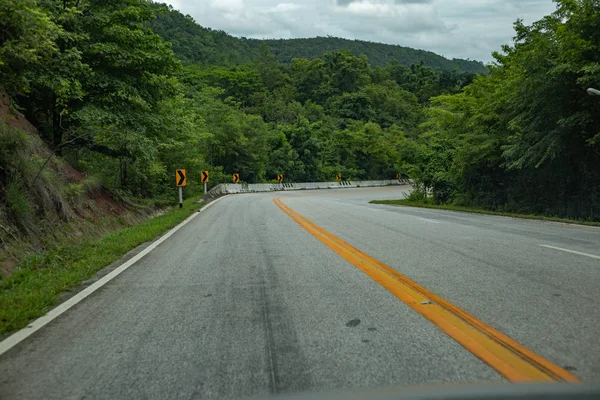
{"type": "Point", "coordinates": [453, 28]}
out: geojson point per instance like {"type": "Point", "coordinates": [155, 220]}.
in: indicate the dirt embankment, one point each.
{"type": "Point", "coordinates": [44, 201]}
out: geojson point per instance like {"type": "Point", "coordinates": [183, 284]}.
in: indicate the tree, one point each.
{"type": "Point", "coordinates": [347, 72]}
{"type": "Point", "coordinates": [27, 41]}
{"type": "Point", "coordinates": [310, 79]}
{"type": "Point", "coordinates": [555, 126]}
{"type": "Point", "coordinates": [392, 105]}
{"type": "Point", "coordinates": [524, 138]}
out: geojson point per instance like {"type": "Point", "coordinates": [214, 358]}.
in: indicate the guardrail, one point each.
{"type": "Point", "coordinates": [235, 188]}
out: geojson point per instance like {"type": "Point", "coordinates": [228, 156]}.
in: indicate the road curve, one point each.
{"type": "Point", "coordinates": [244, 301]}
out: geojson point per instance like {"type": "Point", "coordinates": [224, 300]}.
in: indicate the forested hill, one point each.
{"type": "Point", "coordinates": [193, 43]}
{"type": "Point", "coordinates": [196, 44]}
{"type": "Point", "coordinates": [379, 54]}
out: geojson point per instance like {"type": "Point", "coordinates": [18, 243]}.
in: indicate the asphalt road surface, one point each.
{"type": "Point", "coordinates": [245, 301]}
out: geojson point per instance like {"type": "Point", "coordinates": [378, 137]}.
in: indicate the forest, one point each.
{"type": "Point", "coordinates": [111, 96]}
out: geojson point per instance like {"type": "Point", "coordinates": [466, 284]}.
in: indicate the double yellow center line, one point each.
{"type": "Point", "coordinates": [512, 360]}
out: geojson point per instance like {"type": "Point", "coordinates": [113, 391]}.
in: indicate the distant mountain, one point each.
{"type": "Point", "coordinates": [378, 53]}
{"type": "Point", "coordinates": [195, 44]}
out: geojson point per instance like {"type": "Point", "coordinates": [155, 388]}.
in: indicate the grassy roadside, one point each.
{"type": "Point", "coordinates": [39, 280]}
{"type": "Point", "coordinates": [412, 203]}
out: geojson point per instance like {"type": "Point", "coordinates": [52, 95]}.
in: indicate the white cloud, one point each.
{"type": "Point", "coordinates": [286, 7]}
{"type": "Point", "coordinates": [177, 4]}
{"type": "Point", "coordinates": [385, 18]}
{"type": "Point", "coordinates": [228, 6]}
{"type": "Point", "coordinates": [454, 28]}
{"type": "Point", "coordinates": [371, 9]}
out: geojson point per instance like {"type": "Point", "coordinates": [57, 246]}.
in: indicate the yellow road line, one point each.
{"type": "Point", "coordinates": [512, 360]}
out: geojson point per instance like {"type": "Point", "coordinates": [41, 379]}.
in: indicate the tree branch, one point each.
{"type": "Point", "coordinates": [53, 153]}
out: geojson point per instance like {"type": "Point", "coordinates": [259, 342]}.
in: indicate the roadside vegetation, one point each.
{"type": "Point", "coordinates": [452, 207]}
{"type": "Point", "coordinates": [525, 138]}
{"type": "Point", "coordinates": [37, 282]}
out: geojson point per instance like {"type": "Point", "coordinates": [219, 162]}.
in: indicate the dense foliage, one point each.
{"type": "Point", "coordinates": [194, 43]}
{"type": "Point", "coordinates": [527, 137]}
{"type": "Point", "coordinates": [111, 96]}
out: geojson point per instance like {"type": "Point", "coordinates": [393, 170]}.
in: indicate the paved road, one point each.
{"type": "Point", "coordinates": [244, 301]}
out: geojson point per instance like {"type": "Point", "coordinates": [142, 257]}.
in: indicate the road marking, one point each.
{"type": "Point", "coordinates": [512, 360]}
{"type": "Point", "coordinates": [571, 251]}
{"type": "Point", "coordinates": [429, 220]}
{"type": "Point", "coordinates": [39, 323]}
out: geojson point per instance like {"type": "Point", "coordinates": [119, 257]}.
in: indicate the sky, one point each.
{"type": "Point", "coordinates": [453, 28]}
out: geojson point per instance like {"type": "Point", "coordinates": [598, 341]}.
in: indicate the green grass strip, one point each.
{"type": "Point", "coordinates": [39, 280]}
{"type": "Point", "coordinates": [410, 203]}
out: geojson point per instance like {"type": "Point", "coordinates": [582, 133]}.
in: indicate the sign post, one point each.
{"type": "Point", "coordinates": [180, 181]}
{"type": "Point", "coordinates": [204, 179]}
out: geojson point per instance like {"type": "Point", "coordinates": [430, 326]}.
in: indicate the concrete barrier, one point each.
{"type": "Point", "coordinates": [234, 188]}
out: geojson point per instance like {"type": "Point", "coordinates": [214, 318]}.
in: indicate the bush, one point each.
{"type": "Point", "coordinates": [73, 191]}
{"type": "Point", "coordinates": [443, 191]}
{"type": "Point", "coordinates": [419, 195]}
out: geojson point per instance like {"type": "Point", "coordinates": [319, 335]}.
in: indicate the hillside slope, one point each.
{"type": "Point", "coordinates": [195, 44]}
{"type": "Point", "coordinates": [43, 199]}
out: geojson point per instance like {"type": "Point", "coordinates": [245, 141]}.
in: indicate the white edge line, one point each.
{"type": "Point", "coordinates": [570, 251]}
{"type": "Point", "coordinates": [39, 323]}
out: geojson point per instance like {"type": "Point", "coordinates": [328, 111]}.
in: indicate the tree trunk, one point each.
{"type": "Point", "coordinates": [57, 132]}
